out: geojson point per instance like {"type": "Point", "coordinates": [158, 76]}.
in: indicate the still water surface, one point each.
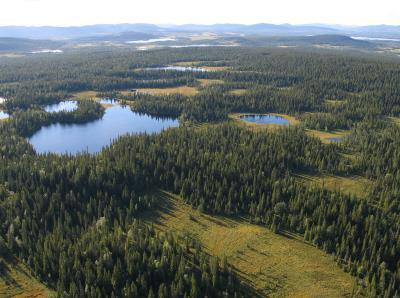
{"type": "Point", "coordinates": [92, 137]}
{"type": "Point", "coordinates": [265, 119]}
{"type": "Point", "coordinates": [63, 106]}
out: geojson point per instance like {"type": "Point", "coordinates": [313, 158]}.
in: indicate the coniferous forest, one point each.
{"type": "Point", "coordinates": [78, 221]}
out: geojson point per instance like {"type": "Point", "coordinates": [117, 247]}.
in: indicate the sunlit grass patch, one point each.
{"type": "Point", "coordinates": [86, 95]}
{"type": "Point", "coordinates": [328, 136]}
{"type": "Point", "coordinates": [17, 281]}
{"type": "Point", "coordinates": [334, 102]}
{"type": "Point", "coordinates": [184, 90]}
{"type": "Point", "coordinates": [238, 91]}
{"type": "Point", "coordinates": [355, 185]}
{"type": "Point", "coordinates": [395, 120]}
{"type": "Point", "coordinates": [273, 265]}
{"type": "Point", "coordinates": [207, 82]}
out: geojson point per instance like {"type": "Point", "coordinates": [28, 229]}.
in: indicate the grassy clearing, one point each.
{"type": "Point", "coordinates": [17, 281]}
{"type": "Point", "coordinates": [216, 68]}
{"type": "Point", "coordinates": [255, 126]}
{"type": "Point", "coordinates": [325, 136]}
{"type": "Point", "coordinates": [207, 82]}
{"type": "Point", "coordinates": [334, 102]}
{"type": "Point", "coordinates": [274, 265]}
{"type": "Point", "coordinates": [200, 64]}
{"type": "Point", "coordinates": [355, 185]}
{"type": "Point", "coordinates": [86, 95]}
{"type": "Point", "coordinates": [395, 120]}
{"type": "Point", "coordinates": [187, 63]}
{"type": "Point", "coordinates": [238, 92]}
{"type": "Point", "coordinates": [184, 90]}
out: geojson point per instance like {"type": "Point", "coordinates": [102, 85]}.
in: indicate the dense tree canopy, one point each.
{"type": "Point", "coordinates": [75, 220]}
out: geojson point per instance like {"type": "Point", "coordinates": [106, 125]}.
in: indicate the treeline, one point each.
{"type": "Point", "coordinates": [27, 122]}
{"type": "Point", "coordinates": [376, 146]}
{"type": "Point", "coordinates": [282, 81]}
{"type": "Point", "coordinates": [53, 208]}
{"type": "Point", "coordinates": [221, 170]}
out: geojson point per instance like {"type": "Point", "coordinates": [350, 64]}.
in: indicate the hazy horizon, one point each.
{"type": "Point", "coordinates": [205, 24]}
{"type": "Point", "coordinates": [177, 12]}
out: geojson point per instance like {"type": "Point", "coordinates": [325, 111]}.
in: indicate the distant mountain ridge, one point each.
{"type": "Point", "coordinates": [10, 44]}
{"type": "Point", "coordinates": [49, 32]}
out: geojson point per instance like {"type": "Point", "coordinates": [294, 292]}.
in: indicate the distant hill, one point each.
{"type": "Point", "coordinates": [8, 44]}
{"type": "Point", "coordinates": [73, 32]}
{"type": "Point", "coordinates": [119, 37]}
{"type": "Point", "coordinates": [336, 40]}
{"type": "Point", "coordinates": [326, 39]}
{"type": "Point", "coordinates": [262, 28]}
{"type": "Point", "coordinates": [267, 29]}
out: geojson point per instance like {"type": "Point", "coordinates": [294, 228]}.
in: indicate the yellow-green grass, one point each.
{"type": "Point", "coordinates": [256, 126]}
{"type": "Point", "coordinates": [238, 91]}
{"type": "Point", "coordinates": [207, 82]}
{"type": "Point", "coordinates": [17, 281]}
{"type": "Point", "coordinates": [326, 135]}
{"type": "Point", "coordinates": [215, 68]}
{"type": "Point", "coordinates": [334, 102]}
{"type": "Point", "coordinates": [184, 90]}
{"type": "Point", "coordinates": [187, 63]}
{"type": "Point", "coordinates": [273, 265]}
{"type": "Point", "coordinates": [90, 94]}
{"type": "Point", "coordinates": [395, 120]}
{"type": "Point", "coordinates": [355, 185]}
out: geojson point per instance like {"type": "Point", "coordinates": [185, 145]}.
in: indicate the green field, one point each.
{"type": "Point", "coordinates": [273, 265]}
{"type": "Point", "coordinates": [17, 281]}
{"type": "Point", "coordinates": [355, 185]}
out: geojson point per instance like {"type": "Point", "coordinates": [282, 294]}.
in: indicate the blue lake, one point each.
{"type": "Point", "coordinates": [63, 106]}
{"type": "Point", "coordinates": [107, 101]}
{"type": "Point", "coordinates": [92, 137]}
{"type": "Point", "coordinates": [265, 119]}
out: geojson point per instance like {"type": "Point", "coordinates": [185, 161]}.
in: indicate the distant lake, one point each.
{"type": "Point", "coordinates": [201, 45]}
{"type": "Point", "coordinates": [93, 136]}
{"type": "Point", "coordinates": [265, 119]}
{"type": "Point", "coordinates": [152, 40]}
{"type": "Point", "coordinates": [178, 68]}
{"type": "Point", "coordinates": [3, 115]}
{"type": "Point", "coordinates": [106, 101]}
{"type": "Point", "coordinates": [375, 38]}
{"type": "Point", "coordinates": [46, 51]}
{"type": "Point", "coordinates": [63, 106]}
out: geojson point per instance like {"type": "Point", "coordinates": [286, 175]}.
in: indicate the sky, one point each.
{"type": "Point", "coordinates": [85, 12]}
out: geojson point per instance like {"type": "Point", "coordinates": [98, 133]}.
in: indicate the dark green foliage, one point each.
{"type": "Point", "coordinates": [73, 219]}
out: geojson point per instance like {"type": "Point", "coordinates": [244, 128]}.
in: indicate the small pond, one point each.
{"type": "Point", "coordinates": [335, 139]}
{"type": "Point", "coordinates": [3, 115]}
{"type": "Point", "coordinates": [107, 101]}
{"type": "Point", "coordinates": [92, 137]}
{"type": "Point", "coordinates": [63, 106]}
{"type": "Point", "coordinates": [265, 119]}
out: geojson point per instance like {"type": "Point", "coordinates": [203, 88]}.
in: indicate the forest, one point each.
{"type": "Point", "coordinates": [77, 221]}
